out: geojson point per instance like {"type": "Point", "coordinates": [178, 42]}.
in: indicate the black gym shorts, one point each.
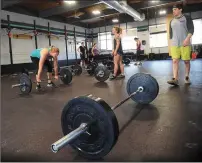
{"type": "Point", "coordinates": [47, 63]}
{"type": "Point", "coordinates": [82, 56]}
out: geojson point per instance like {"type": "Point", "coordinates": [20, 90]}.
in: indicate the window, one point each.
{"type": "Point", "coordinates": [197, 37]}
{"type": "Point", "coordinates": [103, 45]}
{"type": "Point", "coordinates": [158, 40]}
{"type": "Point", "coordinates": [105, 41]}
{"type": "Point", "coordinates": [128, 43]}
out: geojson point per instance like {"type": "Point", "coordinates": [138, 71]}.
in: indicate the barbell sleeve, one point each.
{"type": "Point", "coordinates": [140, 89]}
{"type": "Point", "coordinates": [55, 147]}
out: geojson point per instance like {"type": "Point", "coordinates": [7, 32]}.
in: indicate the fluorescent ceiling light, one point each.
{"type": "Point", "coordinates": [162, 12]}
{"type": "Point", "coordinates": [96, 12]}
{"type": "Point", "coordinates": [70, 2]}
{"type": "Point", "coordinates": [115, 20]}
{"type": "Point", "coordinates": [154, 1]}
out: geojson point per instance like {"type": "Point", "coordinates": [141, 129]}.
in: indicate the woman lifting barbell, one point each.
{"type": "Point", "coordinates": [40, 58]}
{"type": "Point", "coordinates": [117, 53]}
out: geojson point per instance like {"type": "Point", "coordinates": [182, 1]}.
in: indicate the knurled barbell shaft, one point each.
{"type": "Point", "coordinates": [88, 69]}
{"type": "Point", "coordinates": [140, 89]}
{"type": "Point", "coordinates": [45, 80]}
{"type": "Point", "coordinates": [55, 147]}
{"type": "Point", "coordinates": [17, 85]}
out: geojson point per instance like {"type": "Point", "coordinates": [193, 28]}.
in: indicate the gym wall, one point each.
{"type": "Point", "coordinates": [155, 26]}
{"type": "Point", "coordinates": [21, 48]}
{"type": "Point", "coordinates": [5, 56]}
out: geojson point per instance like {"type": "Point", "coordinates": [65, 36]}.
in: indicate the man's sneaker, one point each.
{"type": "Point", "coordinates": [173, 82]}
{"type": "Point", "coordinates": [187, 80]}
{"type": "Point", "coordinates": [38, 87]}
{"type": "Point", "coordinates": [121, 76]}
{"type": "Point", "coordinates": [112, 77]}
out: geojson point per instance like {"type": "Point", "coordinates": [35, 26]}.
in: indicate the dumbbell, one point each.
{"type": "Point", "coordinates": [90, 125]}
{"type": "Point", "coordinates": [25, 83]}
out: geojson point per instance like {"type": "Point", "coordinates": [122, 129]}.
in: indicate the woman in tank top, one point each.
{"type": "Point", "coordinates": [40, 58]}
{"type": "Point", "coordinates": [117, 53]}
{"type": "Point", "coordinates": [95, 51]}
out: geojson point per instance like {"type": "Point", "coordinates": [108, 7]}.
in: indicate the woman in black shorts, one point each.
{"type": "Point", "coordinates": [82, 51]}
{"type": "Point", "coordinates": [40, 58]}
{"type": "Point", "coordinates": [117, 52]}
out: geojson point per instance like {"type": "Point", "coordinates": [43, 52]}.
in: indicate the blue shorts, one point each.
{"type": "Point", "coordinates": [120, 53]}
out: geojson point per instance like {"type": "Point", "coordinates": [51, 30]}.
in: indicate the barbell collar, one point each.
{"type": "Point", "coordinates": [55, 147]}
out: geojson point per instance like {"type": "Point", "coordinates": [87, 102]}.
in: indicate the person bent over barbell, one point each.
{"type": "Point", "coordinates": [40, 58]}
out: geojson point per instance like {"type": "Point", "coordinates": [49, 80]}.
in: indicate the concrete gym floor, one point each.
{"type": "Point", "coordinates": [169, 129]}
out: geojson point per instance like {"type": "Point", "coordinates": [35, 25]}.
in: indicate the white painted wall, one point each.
{"type": "Point", "coordinates": [144, 35]}
{"type": "Point", "coordinates": [60, 43]}
{"type": "Point", "coordinates": [22, 47]}
{"type": "Point", "coordinates": [5, 55]}
{"type": "Point", "coordinates": [153, 29]}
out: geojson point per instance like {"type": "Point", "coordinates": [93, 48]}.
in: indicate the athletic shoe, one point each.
{"type": "Point", "coordinates": [112, 77]}
{"type": "Point", "coordinates": [121, 76]}
{"type": "Point", "coordinates": [38, 87]}
{"type": "Point", "coordinates": [173, 82]}
{"type": "Point", "coordinates": [187, 80]}
{"type": "Point", "coordinates": [51, 84]}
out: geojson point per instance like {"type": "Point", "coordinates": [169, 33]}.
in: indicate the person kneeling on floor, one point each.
{"type": "Point", "coordinates": [40, 58]}
{"type": "Point", "coordinates": [181, 31]}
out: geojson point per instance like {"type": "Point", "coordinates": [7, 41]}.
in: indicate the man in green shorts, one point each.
{"type": "Point", "coordinates": [181, 31]}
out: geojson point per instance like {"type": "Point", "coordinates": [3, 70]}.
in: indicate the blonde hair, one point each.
{"type": "Point", "coordinates": [54, 49]}
{"type": "Point", "coordinates": [118, 29]}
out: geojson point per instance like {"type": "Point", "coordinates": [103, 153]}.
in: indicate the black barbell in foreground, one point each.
{"type": "Point", "coordinates": [90, 125]}
{"type": "Point", "coordinates": [25, 83]}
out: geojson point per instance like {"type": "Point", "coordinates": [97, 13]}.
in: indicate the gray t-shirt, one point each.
{"type": "Point", "coordinates": [179, 29]}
